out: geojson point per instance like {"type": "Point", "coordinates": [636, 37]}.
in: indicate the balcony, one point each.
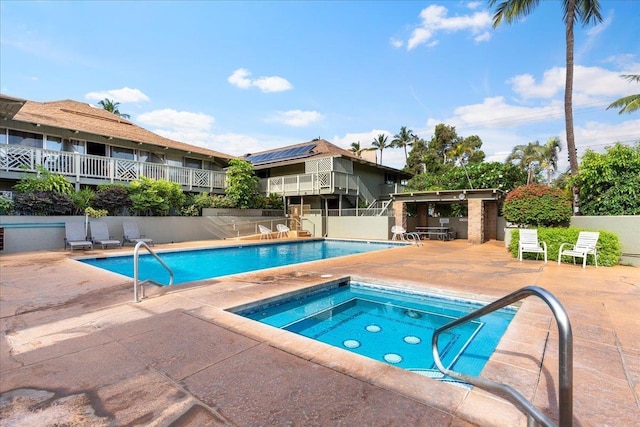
{"type": "Point", "coordinates": [312, 184]}
{"type": "Point", "coordinates": [17, 160]}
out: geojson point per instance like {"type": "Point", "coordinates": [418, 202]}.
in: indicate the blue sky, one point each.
{"type": "Point", "coordinates": [241, 77]}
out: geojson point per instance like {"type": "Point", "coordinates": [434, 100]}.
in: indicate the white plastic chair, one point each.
{"type": "Point", "coordinates": [529, 243]}
{"type": "Point", "coordinates": [265, 232]}
{"type": "Point", "coordinates": [586, 245]}
{"type": "Point", "coordinates": [283, 230]}
{"type": "Point", "coordinates": [399, 233]}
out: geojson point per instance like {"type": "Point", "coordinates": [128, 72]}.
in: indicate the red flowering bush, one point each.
{"type": "Point", "coordinates": [537, 205]}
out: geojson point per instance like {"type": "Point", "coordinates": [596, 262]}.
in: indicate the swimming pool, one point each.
{"type": "Point", "coordinates": [388, 325]}
{"type": "Point", "coordinates": [192, 265]}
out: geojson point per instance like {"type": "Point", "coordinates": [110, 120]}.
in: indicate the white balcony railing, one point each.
{"type": "Point", "coordinates": [81, 167]}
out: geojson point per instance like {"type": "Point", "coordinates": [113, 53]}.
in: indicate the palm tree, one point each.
{"type": "Point", "coordinates": [629, 103]}
{"type": "Point", "coordinates": [403, 139]}
{"type": "Point", "coordinates": [527, 157]}
{"type": "Point", "coordinates": [587, 11]}
{"type": "Point", "coordinates": [112, 107]}
{"type": "Point", "coordinates": [549, 156]}
{"type": "Point", "coordinates": [380, 143]}
{"type": "Point", "coordinates": [357, 149]}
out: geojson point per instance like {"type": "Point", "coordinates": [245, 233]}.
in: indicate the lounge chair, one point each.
{"type": "Point", "coordinates": [100, 235]}
{"type": "Point", "coordinates": [529, 243]}
{"type": "Point", "coordinates": [132, 234]}
{"type": "Point", "coordinates": [265, 232]}
{"type": "Point", "coordinates": [585, 245]}
{"type": "Point", "coordinates": [399, 233]}
{"type": "Point", "coordinates": [283, 230]}
{"type": "Point", "coordinates": [76, 236]}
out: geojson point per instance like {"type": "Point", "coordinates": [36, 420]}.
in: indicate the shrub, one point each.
{"type": "Point", "coordinates": [6, 205]}
{"type": "Point", "coordinates": [608, 247]}
{"type": "Point", "coordinates": [82, 200]}
{"type": "Point", "coordinates": [43, 203]}
{"type": "Point", "coordinates": [112, 197]}
{"type": "Point", "coordinates": [242, 184]}
{"type": "Point", "coordinates": [44, 180]}
{"type": "Point", "coordinates": [537, 205]}
{"type": "Point", "coordinates": [150, 197]}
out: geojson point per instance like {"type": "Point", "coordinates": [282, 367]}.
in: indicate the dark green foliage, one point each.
{"type": "Point", "coordinates": [43, 203]}
{"type": "Point", "coordinates": [272, 201]}
{"type": "Point", "coordinates": [242, 185]}
{"type": "Point", "coordinates": [482, 175]}
{"type": "Point", "coordinates": [112, 197]}
{"type": "Point", "coordinates": [44, 180]}
{"type": "Point", "coordinates": [609, 182]}
{"type": "Point", "coordinates": [537, 205]}
{"type": "Point", "coordinates": [608, 247]}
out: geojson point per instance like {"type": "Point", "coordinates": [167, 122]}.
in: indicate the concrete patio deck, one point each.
{"type": "Point", "coordinates": [75, 349]}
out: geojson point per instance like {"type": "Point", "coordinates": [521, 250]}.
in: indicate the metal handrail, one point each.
{"type": "Point", "coordinates": [299, 221]}
{"type": "Point", "coordinates": [136, 283]}
{"type": "Point", "coordinates": [565, 395]}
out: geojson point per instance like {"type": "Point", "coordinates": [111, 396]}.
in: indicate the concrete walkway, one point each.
{"type": "Point", "coordinates": [75, 349]}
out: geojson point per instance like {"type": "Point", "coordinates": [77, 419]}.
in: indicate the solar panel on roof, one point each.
{"type": "Point", "coordinates": [282, 155]}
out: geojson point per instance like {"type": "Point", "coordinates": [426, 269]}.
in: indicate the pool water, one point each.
{"type": "Point", "coordinates": [188, 266]}
{"type": "Point", "coordinates": [391, 326]}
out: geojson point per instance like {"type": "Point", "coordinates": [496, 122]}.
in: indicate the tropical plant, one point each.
{"type": "Point", "coordinates": [629, 103]}
{"type": "Point", "coordinates": [242, 184]}
{"type": "Point", "coordinates": [83, 199]}
{"type": "Point", "coordinates": [610, 182]}
{"type": "Point", "coordinates": [549, 157]}
{"type": "Point", "coordinates": [403, 139]}
{"type": "Point", "coordinates": [586, 11]}
{"type": "Point", "coordinates": [112, 107]}
{"type": "Point", "coordinates": [528, 158]}
{"type": "Point", "coordinates": [357, 149]}
{"type": "Point", "coordinates": [537, 205]}
{"type": "Point", "coordinates": [380, 143]}
{"type": "Point", "coordinates": [44, 180]}
{"type": "Point", "coordinates": [151, 197]}
{"type": "Point", "coordinates": [503, 176]}
{"type": "Point", "coordinates": [6, 205]}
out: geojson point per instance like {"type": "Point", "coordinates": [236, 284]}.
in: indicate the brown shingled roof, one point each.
{"type": "Point", "coordinates": [68, 114]}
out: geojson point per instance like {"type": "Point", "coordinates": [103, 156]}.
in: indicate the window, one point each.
{"type": "Point", "coordinates": [73, 146]}
{"type": "Point", "coordinates": [3, 136]}
{"type": "Point", "coordinates": [122, 153]}
{"type": "Point", "coordinates": [146, 156]}
{"type": "Point", "coordinates": [25, 139]}
{"type": "Point", "coordinates": [192, 163]}
{"type": "Point", "coordinates": [96, 148]}
{"type": "Point", "coordinates": [53, 143]}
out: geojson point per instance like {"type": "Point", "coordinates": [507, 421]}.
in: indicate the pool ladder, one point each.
{"type": "Point", "coordinates": [140, 284]}
{"type": "Point", "coordinates": [535, 417]}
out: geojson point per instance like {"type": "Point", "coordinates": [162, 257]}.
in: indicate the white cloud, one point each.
{"type": "Point", "coordinates": [297, 118]}
{"type": "Point", "coordinates": [240, 78]}
{"type": "Point", "coordinates": [473, 5]}
{"type": "Point", "coordinates": [396, 43]}
{"type": "Point", "coordinates": [434, 19]}
{"type": "Point", "coordinates": [172, 120]}
{"type": "Point", "coordinates": [123, 95]}
{"type": "Point", "coordinates": [272, 84]}
{"type": "Point", "coordinates": [590, 84]}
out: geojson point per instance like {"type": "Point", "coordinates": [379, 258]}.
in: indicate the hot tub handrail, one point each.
{"type": "Point", "coordinates": [565, 349]}
{"type": "Point", "coordinates": [136, 282]}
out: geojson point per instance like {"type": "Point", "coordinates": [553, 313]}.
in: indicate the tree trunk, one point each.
{"type": "Point", "coordinates": [568, 89]}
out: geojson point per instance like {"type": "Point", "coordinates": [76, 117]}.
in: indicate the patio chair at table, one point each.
{"type": "Point", "coordinates": [529, 243]}
{"type": "Point", "coordinates": [586, 245]}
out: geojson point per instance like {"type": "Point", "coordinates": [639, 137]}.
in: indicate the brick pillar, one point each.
{"type": "Point", "coordinates": [490, 221]}
{"type": "Point", "coordinates": [400, 213]}
{"type": "Point", "coordinates": [475, 233]}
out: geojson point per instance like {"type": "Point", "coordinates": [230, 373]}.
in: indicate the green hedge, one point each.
{"type": "Point", "coordinates": [608, 247]}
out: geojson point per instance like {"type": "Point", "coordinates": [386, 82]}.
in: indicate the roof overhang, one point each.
{"type": "Point", "coordinates": [449, 196]}
{"type": "Point", "coordinates": [9, 106]}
